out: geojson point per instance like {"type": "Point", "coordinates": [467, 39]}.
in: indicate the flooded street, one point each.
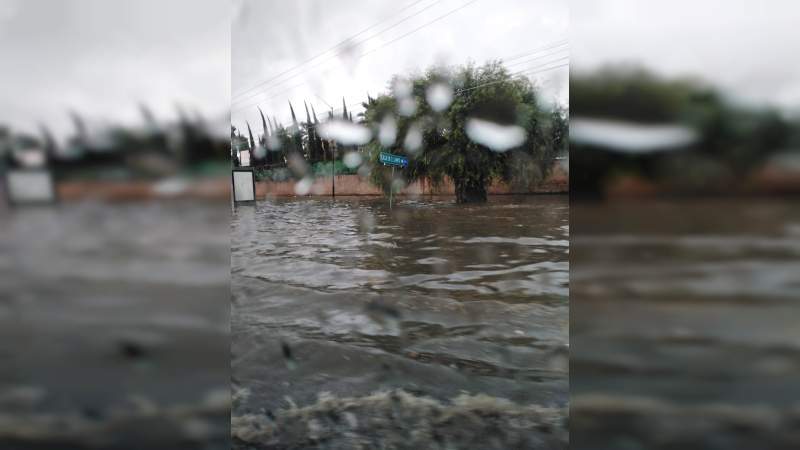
{"type": "Point", "coordinates": [114, 326]}
{"type": "Point", "coordinates": [685, 325]}
{"type": "Point", "coordinates": [432, 325]}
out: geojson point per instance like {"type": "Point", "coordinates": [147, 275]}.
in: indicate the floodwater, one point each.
{"type": "Point", "coordinates": [114, 326]}
{"type": "Point", "coordinates": [431, 325]}
{"type": "Point", "coordinates": [685, 325]}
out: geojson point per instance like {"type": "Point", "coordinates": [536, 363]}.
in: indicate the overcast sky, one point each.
{"type": "Point", "coordinates": [749, 48]}
{"type": "Point", "coordinates": [102, 58]}
{"type": "Point", "coordinates": [271, 37]}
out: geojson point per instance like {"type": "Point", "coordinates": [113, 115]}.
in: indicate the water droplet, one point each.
{"type": "Point", "coordinates": [402, 88]}
{"type": "Point", "coordinates": [298, 165]}
{"type": "Point", "coordinates": [364, 171]}
{"type": "Point", "coordinates": [413, 140]}
{"type": "Point", "coordinates": [259, 152]}
{"type": "Point", "coordinates": [407, 106]}
{"type": "Point", "coordinates": [398, 184]}
{"type": "Point", "coordinates": [273, 143]}
{"type": "Point", "coordinates": [388, 131]}
{"type": "Point", "coordinates": [439, 96]}
{"type": "Point", "coordinates": [495, 136]}
{"type": "Point", "coordinates": [345, 133]}
{"type": "Point", "coordinates": [630, 137]}
{"type": "Point", "coordinates": [352, 159]}
{"type": "Point", "coordinates": [303, 186]}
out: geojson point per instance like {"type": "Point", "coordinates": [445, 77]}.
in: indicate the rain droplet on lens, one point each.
{"type": "Point", "coordinates": [352, 159]}
{"type": "Point", "coordinates": [303, 186]}
{"type": "Point", "coordinates": [407, 106]}
{"type": "Point", "coordinates": [413, 140]}
{"type": "Point", "coordinates": [401, 88]}
{"type": "Point", "coordinates": [439, 96]}
{"type": "Point", "coordinates": [260, 152]}
{"type": "Point", "coordinates": [398, 184]}
{"type": "Point", "coordinates": [495, 136]}
{"type": "Point", "coordinates": [387, 134]}
{"type": "Point", "coordinates": [365, 171]}
{"type": "Point", "coordinates": [273, 143]}
{"type": "Point", "coordinates": [345, 132]}
{"type": "Point", "coordinates": [298, 165]}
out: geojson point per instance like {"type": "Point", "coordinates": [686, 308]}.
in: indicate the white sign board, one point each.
{"type": "Point", "coordinates": [244, 188]}
{"type": "Point", "coordinates": [30, 186]}
{"type": "Point", "coordinates": [244, 158]}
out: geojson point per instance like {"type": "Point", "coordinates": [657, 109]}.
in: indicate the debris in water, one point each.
{"type": "Point", "coordinates": [287, 356]}
{"type": "Point", "coordinates": [131, 349]}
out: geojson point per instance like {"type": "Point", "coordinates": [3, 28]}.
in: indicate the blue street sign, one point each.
{"type": "Point", "coordinates": [393, 160]}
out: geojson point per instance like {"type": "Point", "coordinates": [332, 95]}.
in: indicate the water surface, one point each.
{"type": "Point", "coordinates": [356, 324]}
{"type": "Point", "coordinates": [685, 324]}
{"type": "Point", "coordinates": [114, 326]}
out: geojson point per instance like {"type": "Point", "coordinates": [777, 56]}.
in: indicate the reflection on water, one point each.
{"type": "Point", "coordinates": [429, 323]}
{"type": "Point", "coordinates": [685, 325]}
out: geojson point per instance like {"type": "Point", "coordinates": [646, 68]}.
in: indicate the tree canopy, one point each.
{"type": "Point", "coordinates": [436, 137]}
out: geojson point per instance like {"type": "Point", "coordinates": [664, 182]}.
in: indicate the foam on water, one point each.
{"type": "Point", "coordinates": [399, 419]}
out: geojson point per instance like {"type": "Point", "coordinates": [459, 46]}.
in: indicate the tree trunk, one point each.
{"type": "Point", "coordinates": [470, 191]}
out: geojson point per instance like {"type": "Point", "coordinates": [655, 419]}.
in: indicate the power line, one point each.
{"type": "Point", "coordinates": [540, 49]}
{"type": "Point", "coordinates": [522, 72]}
{"type": "Point", "coordinates": [459, 91]}
{"type": "Point", "coordinates": [529, 72]}
{"type": "Point", "coordinates": [333, 47]}
{"type": "Point", "coordinates": [419, 28]}
{"type": "Point", "coordinates": [517, 56]}
{"type": "Point", "coordinates": [453, 11]}
{"type": "Point", "coordinates": [340, 44]}
{"type": "Point", "coordinates": [539, 57]}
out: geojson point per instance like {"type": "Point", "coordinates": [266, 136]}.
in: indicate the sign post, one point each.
{"type": "Point", "coordinates": [388, 159]}
{"type": "Point", "coordinates": [391, 189]}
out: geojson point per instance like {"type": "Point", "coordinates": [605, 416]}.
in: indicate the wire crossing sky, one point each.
{"type": "Point", "coordinates": [295, 51]}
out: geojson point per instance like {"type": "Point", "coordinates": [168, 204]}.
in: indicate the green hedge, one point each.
{"type": "Point", "coordinates": [320, 169]}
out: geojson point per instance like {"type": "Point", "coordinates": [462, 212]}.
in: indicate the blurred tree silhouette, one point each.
{"type": "Point", "coordinates": [148, 151]}
{"type": "Point", "coordinates": [734, 139]}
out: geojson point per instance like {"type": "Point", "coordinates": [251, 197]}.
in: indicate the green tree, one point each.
{"type": "Point", "coordinates": [488, 93]}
